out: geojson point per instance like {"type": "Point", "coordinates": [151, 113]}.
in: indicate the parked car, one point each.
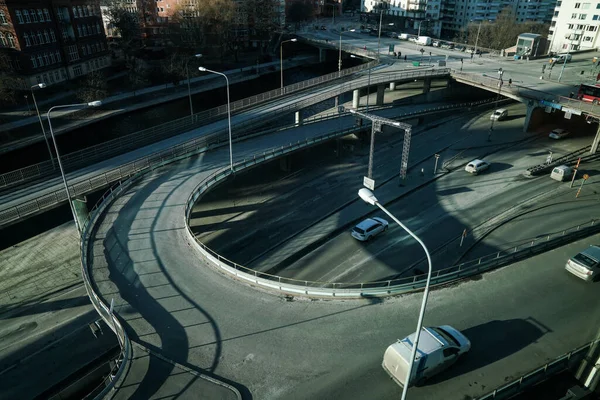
{"type": "Point", "coordinates": [439, 347]}
{"type": "Point", "coordinates": [477, 166]}
{"type": "Point", "coordinates": [559, 58]}
{"type": "Point", "coordinates": [585, 265]}
{"type": "Point", "coordinates": [447, 45]}
{"type": "Point", "coordinates": [436, 43]}
{"type": "Point", "coordinates": [392, 35]}
{"type": "Point", "coordinates": [499, 114]}
{"type": "Point", "coordinates": [558, 134]}
{"type": "Point", "coordinates": [561, 173]}
{"type": "Point", "coordinates": [368, 228]}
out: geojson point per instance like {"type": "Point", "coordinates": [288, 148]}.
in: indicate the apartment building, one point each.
{"type": "Point", "coordinates": [52, 41]}
{"type": "Point", "coordinates": [574, 26]}
{"type": "Point", "coordinates": [446, 17]}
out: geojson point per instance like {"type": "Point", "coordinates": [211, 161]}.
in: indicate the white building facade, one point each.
{"type": "Point", "coordinates": [574, 26]}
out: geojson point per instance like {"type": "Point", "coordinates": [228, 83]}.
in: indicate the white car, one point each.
{"type": "Point", "coordinates": [561, 58]}
{"type": "Point", "coordinates": [369, 228]}
{"type": "Point", "coordinates": [585, 265]}
{"type": "Point", "coordinates": [499, 115]}
{"type": "Point", "coordinates": [558, 134]}
{"type": "Point", "coordinates": [477, 166]}
{"type": "Point", "coordinates": [439, 348]}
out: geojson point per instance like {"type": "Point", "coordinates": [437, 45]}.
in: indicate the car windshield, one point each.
{"type": "Point", "coordinates": [585, 260]}
{"type": "Point", "coordinates": [498, 112]}
{"type": "Point", "coordinates": [447, 336]}
{"type": "Point", "coordinates": [358, 230]}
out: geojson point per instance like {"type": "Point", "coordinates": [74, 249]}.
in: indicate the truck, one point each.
{"type": "Point", "coordinates": [424, 40]}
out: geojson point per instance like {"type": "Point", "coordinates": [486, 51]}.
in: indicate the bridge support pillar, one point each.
{"type": "Point", "coordinates": [81, 209]}
{"type": "Point", "coordinates": [530, 108]}
{"type": "Point", "coordinates": [337, 101]}
{"type": "Point", "coordinates": [596, 141]}
{"type": "Point", "coordinates": [285, 164]}
{"type": "Point", "coordinates": [380, 95]}
{"type": "Point", "coordinates": [392, 85]}
{"type": "Point", "coordinates": [426, 85]}
{"type": "Point", "coordinates": [355, 98]}
{"type": "Point", "coordinates": [322, 55]}
{"type": "Point", "coordinates": [298, 118]}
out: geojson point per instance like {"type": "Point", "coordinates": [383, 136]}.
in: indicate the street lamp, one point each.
{"type": "Point", "coordinates": [369, 79]}
{"type": "Point", "coordinates": [500, 83]}
{"type": "Point", "coordinates": [419, 32]}
{"type": "Point", "coordinates": [281, 58]}
{"type": "Point", "coordinates": [370, 198]}
{"type": "Point", "coordinates": [187, 71]}
{"type": "Point", "coordinates": [476, 40]}
{"type": "Point", "coordinates": [340, 56]}
{"type": "Point", "coordinates": [228, 113]}
{"type": "Point", "coordinates": [37, 110]}
{"type": "Point", "coordinates": [62, 171]}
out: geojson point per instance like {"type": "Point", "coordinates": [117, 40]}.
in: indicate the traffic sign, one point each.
{"type": "Point", "coordinates": [585, 177]}
{"type": "Point", "coordinates": [369, 183]}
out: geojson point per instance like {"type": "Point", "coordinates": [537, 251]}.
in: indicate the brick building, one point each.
{"type": "Point", "coordinates": [52, 41]}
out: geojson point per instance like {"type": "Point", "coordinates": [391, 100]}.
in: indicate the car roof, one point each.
{"type": "Point", "coordinates": [501, 110]}
{"type": "Point", "coordinates": [477, 162]}
{"type": "Point", "coordinates": [559, 130]}
{"type": "Point", "coordinates": [428, 343]}
{"type": "Point", "coordinates": [367, 223]}
{"type": "Point", "coordinates": [593, 252]}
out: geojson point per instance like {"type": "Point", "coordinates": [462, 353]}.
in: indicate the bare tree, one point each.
{"type": "Point", "coordinates": [137, 75]}
{"type": "Point", "coordinates": [263, 19]}
{"type": "Point", "coordinates": [10, 83]}
{"type": "Point", "coordinates": [93, 87]}
{"type": "Point", "coordinates": [173, 68]}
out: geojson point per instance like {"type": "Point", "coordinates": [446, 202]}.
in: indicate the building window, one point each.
{"type": "Point", "coordinates": [574, 16]}
{"type": "Point", "coordinates": [80, 11]}
{"type": "Point", "coordinates": [65, 34]}
{"type": "Point", "coordinates": [40, 15]}
{"type": "Point", "coordinates": [577, 5]}
{"type": "Point", "coordinates": [45, 78]}
{"type": "Point", "coordinates": [40, 60]}
{"type": "Point", "coordinates": [52, 58]}
{"type": "Point", "coordinates": [582, 16]}
{"type": "Point", "coordinates": [77, 71]}
{"type": "Point", "coordinates": [585, 6]}
{"type": "Point", "coordinates": [79, 30]}
{"type": "Point", "coordinates": [34, 16]}
{"type": "Point", "coordinates": [40, 37]}
{"type": "Point", "coordinates": [50, 78]}
{"type": "Point", "coordinates": [3, 40]}
{"type": "Point", "coordinates": [11, 40]}
{"type": "Point", "coordinates": [53, 36]}
{"type": "Point", "coordinates": [85, 31]}
{"type": "Point", "coordinates": [47, 14]}
{"type": "Point", "coordinates": [75, 12]}
{"type": "Point", "coordinates": [19, 16]}
{"type": "Point", "coordinates": [595, 18]}
{"type": "Point", "coordinates": [56, 76]}
{"type": "Point", "coordinates": [46, 36]}
{"type": "Point", "coordinates": [26, 16]}
{"type": "Point", "coordinates": [3, 18]}
{"type": "Point", "coordinates": [73, 54]}
{"type": "Point", "coordinates": [58, 58]}
{"type": "Point", "coordinates": [46, 59]}
{"type": "Point", "coordinates": [27, 41]}
{"type": "Point", "coordinates": [89, 49]}
{"type": "Point", "coordinates": [84, 50]}
{"type": "Point", "coordinates": [587, 39]}
{"type": "Point", "coordinates": [34, 63]}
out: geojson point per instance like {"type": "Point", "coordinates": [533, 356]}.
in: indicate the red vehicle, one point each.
{"type": "Point", "coordinates": [589, 93]}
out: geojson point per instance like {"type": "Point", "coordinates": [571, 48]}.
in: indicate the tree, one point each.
{"type": "Point", "coordinates": [137, 75]}
{"type": "Point", "coordinates": [93, 87]}
{"type": "Point", "coordinates": [263, 19]}
{"type": "Point", "coordinates": [299, 11]}
{"type": "Point", "coordinates": [127, 26]}
{"type": "Point", "coordinates": [10, 83]}
{"type": "Point", "coordinates": [173, 68]}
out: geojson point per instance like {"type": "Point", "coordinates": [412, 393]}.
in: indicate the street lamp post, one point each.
{"type": "Point", "coordinates": [500, 83]}
{"type": "Point", "coordinates": [187, 71]}
{"type": "Point", "coordinates": [340, 54]}
{"type": "Point", "coordinates": [281, 58]}
{"type": "Point", "coordinates": [228, 113]}
{"type": "Point", "coordinates": [368, 79]}
{"type": "Point", "coordinates": [379, 34]}
{"type": "Point", "coordinates": [419, 32]}
{"type": "Point", "coordinates": [476, 40]}
{"type": "Point", "coordinates": [37, 110]}
{"type": "Point", "coordinates": [62, 171]}
{"type": "Point", "coordinates": [370, 198]}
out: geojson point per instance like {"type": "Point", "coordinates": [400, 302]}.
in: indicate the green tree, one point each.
{"type": "Point", "coordinates": [127, 26]}
{"type": "Point", "coordinates": [93, 87]}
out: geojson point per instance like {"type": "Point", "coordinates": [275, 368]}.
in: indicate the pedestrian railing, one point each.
{"type": "Point", "coordinates": [103, 179]}
{"type": "Point", "coordinates": [569, 361]}
{"type": "Point", "coordinates": [567, 159]}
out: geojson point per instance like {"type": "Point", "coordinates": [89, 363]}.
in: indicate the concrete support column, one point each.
{"type": "Point", "coordinates": [337, 101]}
{"type": "Point", "coordinates": [596, 141]}
{"type": "Point", "coordinates": [380, 94]}
{"type": "Point", "coordinates": [285, 164]}
{"type": "Point", "coordinates": [81, 210]}
{"type": "Point", "coordinates": [355, 99]}
{"type": "Point", "coordinates": [392, 85]}
{"type": "Point", "coordinates": [530, 108]}
{"type": "Point", "coordinates": [298, 118]}
{"type": "Point", "coordinates": [322, 55]}
{"type": "Point", "coordinates": [426, 85]}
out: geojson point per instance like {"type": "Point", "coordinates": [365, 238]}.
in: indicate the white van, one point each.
{"type": "Point", "coordinates": [439, 348]}
{"type": "Point", "coordinates": [561, 173]}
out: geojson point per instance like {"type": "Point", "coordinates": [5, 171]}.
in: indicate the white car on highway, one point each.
{"type": "Point", "coordinates": [558, 133]}
{"type": "Point", "coordinates": [585, 265]}
{"type": "Point", "coordinates": [477, 166]}
{"type": "Point", "coordinates": [369, 228]}
{"type": "Point", "coordinates": [439, 348]}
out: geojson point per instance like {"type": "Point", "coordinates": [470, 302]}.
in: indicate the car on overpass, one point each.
{"type": "Point", "coordinates": [369, 228]}
{"type": "Point", "coordinates": [439, 347]}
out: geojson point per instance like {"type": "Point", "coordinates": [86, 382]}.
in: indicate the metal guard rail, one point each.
{"type": "Point", "coordinates": [151, 135]}
{"type": "Point", "coordinates": [84, 186]}
{"type": "Point", "coordinates": [528, 380]}
{"type": "Point", "coordinates": [566, 159]}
